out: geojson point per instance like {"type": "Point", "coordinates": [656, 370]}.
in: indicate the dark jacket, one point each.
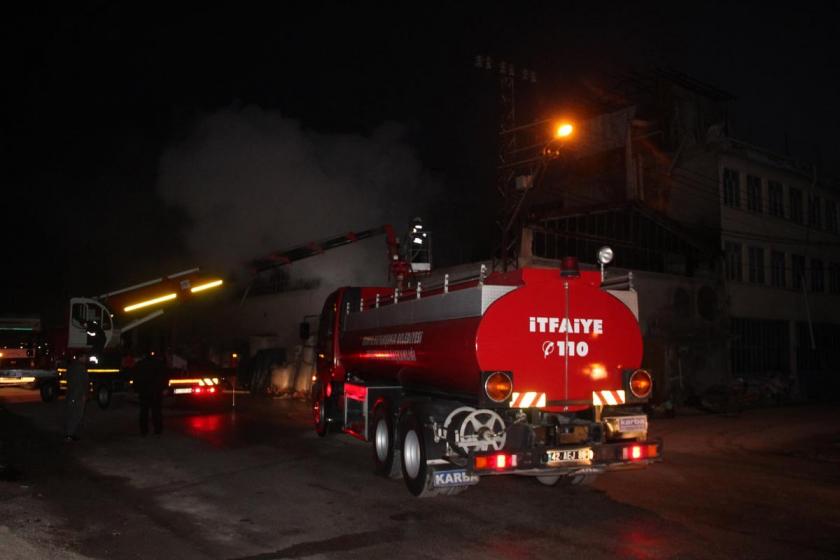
{"type": "Point", "coordinates": [150, 376]}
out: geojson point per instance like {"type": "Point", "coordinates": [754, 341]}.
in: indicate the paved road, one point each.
{"type": "Point", "coordinates": [258, 483]}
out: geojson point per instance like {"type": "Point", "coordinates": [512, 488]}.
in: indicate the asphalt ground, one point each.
{"type": "Point", "coordinates": [256, 482]}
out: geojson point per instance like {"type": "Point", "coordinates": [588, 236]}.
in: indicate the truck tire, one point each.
{"type": "Point", "coordinates": [320, 412]}
{"type": "Point", "coordinates": [49, 391]}
{"type": "Point", "coordinates": [385, 454]}
{"type": "Point", "coordinates": [416, 472]}
{"type": "Point", "coordinates": [103, 395]}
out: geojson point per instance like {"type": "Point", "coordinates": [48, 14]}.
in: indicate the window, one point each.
{"type": "Point", "coordinates": [775, 199]}
{"type": "Point", "coordinates": [733, 261]}
{"type": "Point", "coordinates": [797, 271]}
{"type": "Point", "coordinates": [834, 278]}
{"type": "Point", "coordinates": [831, 216]}
{"type": "Point", "coordinates": [754, 193]}
{"type": "Point", "coordinates": [755, 263]}
{"type": "Point", "coordinates": [814, 216]}
{"type": "Point", "coordinates": [777, 269]}
{"type": "Point", "coordinates": [731, 188]}
{"type": "Point", "coordinates": [795, 205]}
{"type": "Point", "coordinates": [817, 276]}
{"type": "Point", "coordinates": [759, 345]}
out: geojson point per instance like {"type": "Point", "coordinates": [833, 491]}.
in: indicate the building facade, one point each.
{"type": "Point", "coordinates": [707, 217]}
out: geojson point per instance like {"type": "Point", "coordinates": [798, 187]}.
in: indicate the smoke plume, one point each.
{"type": "Point", "coordinates": [253, 181]}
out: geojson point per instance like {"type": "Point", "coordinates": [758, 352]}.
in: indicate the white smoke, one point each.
{"type": "Point", "coordinates": [253, 181]}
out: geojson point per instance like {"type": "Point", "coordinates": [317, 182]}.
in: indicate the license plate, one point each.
{"type": "Point", "coordinates": [183, 390]}
{"type": "Point", "coordinates": [564, 456]}
{"type": "Point", "coordinates": [630, 424]}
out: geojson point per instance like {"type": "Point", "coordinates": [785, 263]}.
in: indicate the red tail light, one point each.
{"type": "Point", "coordinates": [496, 461]}
{"type": "Point", "coordinates": [197, 390]}
{"type": "Point", "coordinates": [211, 390]}
{"type": "Point", "coordinates": [638, 452]}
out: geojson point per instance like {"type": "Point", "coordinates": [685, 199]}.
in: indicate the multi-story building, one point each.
{"type": "Point", "coordinates": [781, 244]}
{"type": "Point", "coordinates": [751, 234]}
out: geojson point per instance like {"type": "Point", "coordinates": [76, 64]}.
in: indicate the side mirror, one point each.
{"type": "Point", "coordinates": [304, 330]}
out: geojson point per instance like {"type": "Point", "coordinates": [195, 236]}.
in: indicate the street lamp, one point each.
{"type": "Point", "coordinates": [564, 130]}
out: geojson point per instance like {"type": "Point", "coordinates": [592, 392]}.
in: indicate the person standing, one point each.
{"type": "Point", "coordinates": [78, 385]}
{"type": "Point", "coordinates": [150, 379]}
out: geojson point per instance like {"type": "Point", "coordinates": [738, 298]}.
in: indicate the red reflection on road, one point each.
{"type": "Point", "coordinates": [205, 424]}
{"type": "Point", "coordinates": [641, 543]}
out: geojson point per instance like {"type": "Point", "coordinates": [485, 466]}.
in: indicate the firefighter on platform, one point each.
{"type": "Point", "coordinates": [78, 384]}
{"type": "Point", "coordinates": [150, 379]}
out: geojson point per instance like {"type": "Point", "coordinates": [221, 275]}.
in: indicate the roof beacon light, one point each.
{"type": "Point", "coordinates": [569, 267]}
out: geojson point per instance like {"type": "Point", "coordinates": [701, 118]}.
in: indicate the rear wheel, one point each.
{"type": "Point", "coordinates": [103, 396]}
{"type": "Point", "coordinates": [319, 412]}
{"type": "Point", "coordinates": [385, 454]}
{"type": "Point", "coordinates": [413, 454]}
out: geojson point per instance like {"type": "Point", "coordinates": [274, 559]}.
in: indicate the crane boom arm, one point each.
{"type": "Point", "coordinates": [281, 258]}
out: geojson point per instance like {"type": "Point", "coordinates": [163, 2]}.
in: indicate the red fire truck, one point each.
{"type": "Point", "coordinates": [535, 372]}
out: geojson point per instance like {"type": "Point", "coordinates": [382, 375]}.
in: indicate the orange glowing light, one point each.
{"type": "Point", "coordinates": [564, 130]}
{"type": "Point", "coordinates": [206, 286]}
{"type": "Point", "coordinates": [599, 371]}
{"type": "Point", "coordinates": [161, 299]}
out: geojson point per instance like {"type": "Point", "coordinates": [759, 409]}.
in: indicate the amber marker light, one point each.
{"type": "Point", "coordinates": [564, 130]}
{"type": "Point", "coordinates": [206, 286]}
{"type": "Point", "coordinates": [498, 386]}
{"type": "Point", "coordinates": [148, 302]}
{"type": "Point", "coordinates": [640, 383]}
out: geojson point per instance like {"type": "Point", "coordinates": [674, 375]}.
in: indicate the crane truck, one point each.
{"type": "Point", "coordinates": [95, 325]}
{"type": "Point", "coordinates": [535, 372]}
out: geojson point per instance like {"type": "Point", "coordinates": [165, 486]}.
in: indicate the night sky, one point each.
{"type": "Point", "coordinates": [95, 97]}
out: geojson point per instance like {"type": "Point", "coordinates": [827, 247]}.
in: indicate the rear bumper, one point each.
{"type": "Point", "coordinates": [605, 457]}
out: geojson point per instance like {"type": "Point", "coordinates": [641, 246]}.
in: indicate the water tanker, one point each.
{"type": "Point", "coordinates": [536, 372]}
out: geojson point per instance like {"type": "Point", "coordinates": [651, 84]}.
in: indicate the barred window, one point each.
{"type": "Point", "coordinates": [814, 214]}
{"type": "Point", "coordinates": [797, 263]}
{"type": "Point", "coordinates": [817, 276]}
{"type": "Point", "coordinates": [731, 188]}
{"type": "Point", "coordinates": [777, 269]}
{"type": "Point", "coordinates": [733, 261]}
{"type": "Point", "coordinates": [754, 199]}
{"type": "Point", "coordinates": [759, 345]}
{"type": "Point", "coordinates": [795, 196]}
{"type": "Point", "coordinates": [775, 199]}
{"type": "Point", "coordinates": [756, 264]}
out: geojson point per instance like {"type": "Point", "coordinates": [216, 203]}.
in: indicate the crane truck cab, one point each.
{"type": "Point", "coordinates": [535, 372]}
{"type": "Point", "coordinates": [95, 324]}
